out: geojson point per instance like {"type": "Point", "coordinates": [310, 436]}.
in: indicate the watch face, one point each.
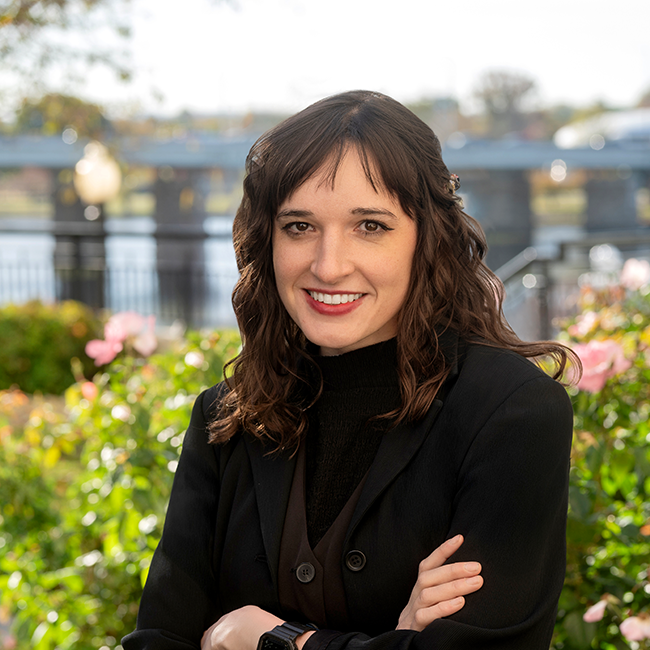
{"type": "Point", "coordinates": [268, 642]}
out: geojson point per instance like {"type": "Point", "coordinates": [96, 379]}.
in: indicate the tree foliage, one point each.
{"type": "Point", "coordinates": [502, 94]}
{"type": "Point", "coordinates": [40, 39]}
{"type": "Point", "coordinates": [53, 113]}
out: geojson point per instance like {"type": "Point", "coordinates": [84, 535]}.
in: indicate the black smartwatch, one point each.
{"type": "Point", "coordinates": [283, 637]}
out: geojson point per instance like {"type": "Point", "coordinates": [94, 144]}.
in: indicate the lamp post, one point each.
{"type": "Point", "coordinates": [180, 237]}
{"type": "Point", "coordinates": [96, 179]}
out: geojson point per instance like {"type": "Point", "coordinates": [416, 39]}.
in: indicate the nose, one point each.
{"type": "Point", "coordinates": [332, 260]}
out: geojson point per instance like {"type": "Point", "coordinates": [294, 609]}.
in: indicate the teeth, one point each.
{"type": "Point", "coordinates": [335, 298]}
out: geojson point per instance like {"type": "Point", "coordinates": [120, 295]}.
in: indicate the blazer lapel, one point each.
{"type": "Point", "coordinates": [397, 448]}
{"type": "Point", "coordinates": [402, 442]}
{"type": "Point", "coordinates": [272, 476]}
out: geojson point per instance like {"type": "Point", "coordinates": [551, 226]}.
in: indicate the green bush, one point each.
{"type": "Point", "coordinates": [609, 514]}
{"type": "Point", "coordinates": [84, 485]}
{"type": "Point", "coordinates": [38, 341]}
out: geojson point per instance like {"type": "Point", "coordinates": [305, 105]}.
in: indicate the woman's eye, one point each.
{"type": "Point", "coordinates": [296, 227]}
{"type": "Point", "coordinates": [372, 227]}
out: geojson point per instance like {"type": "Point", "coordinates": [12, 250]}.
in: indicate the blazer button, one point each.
{"type": "Point", "coordinates": [355, 560]}
{"type": "Point", "coordinates": [305, 572]}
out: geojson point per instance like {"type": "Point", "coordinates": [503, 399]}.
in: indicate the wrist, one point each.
{"type": "Point", "coordinates": [302, 639]}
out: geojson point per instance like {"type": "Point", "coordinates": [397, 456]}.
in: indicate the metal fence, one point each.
{"type": "Point", "coordinates": [193, 288]}
{"type": "Point", "coordinates": [542, 290]}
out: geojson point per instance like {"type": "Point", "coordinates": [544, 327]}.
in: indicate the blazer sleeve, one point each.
{"type": "Point", "coordinates": [179, 601]}
{"type": "Point", "coordinates": [511, 505]}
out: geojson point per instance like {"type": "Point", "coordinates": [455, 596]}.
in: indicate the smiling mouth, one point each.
{"type": "Point", "coordinates": [334, 298]}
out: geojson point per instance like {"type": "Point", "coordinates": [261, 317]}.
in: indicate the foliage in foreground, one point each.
{"type": "Point", "coordinates": [38, 342]}
{"type": "Point", "coordinates": [84, 485]}
{"type": "Point", "coordinates": [83, 489]}
{"type": "Point", "coordinates": [609, 518]}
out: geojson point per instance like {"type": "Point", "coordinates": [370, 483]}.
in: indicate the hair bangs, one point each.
{"type": "Point", "coordinates": [297, 149]}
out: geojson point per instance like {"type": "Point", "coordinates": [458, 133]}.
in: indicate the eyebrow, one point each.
{"type": "Point", "coordinates": [364, 212]}
{"type": "Point", "coordinates": [294, 213]}
{"type": "Point", "coordinates": [369, 212]}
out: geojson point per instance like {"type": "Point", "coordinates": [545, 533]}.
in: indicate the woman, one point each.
{"type": "Point", "coordinates": [380, 418]}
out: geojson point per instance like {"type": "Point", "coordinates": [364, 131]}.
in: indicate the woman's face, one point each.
{"type": "Point", "coordinates": [342, 255]}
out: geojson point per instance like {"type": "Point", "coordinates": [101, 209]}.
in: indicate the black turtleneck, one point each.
{"type": "Point", "coordinates": [341, 442]}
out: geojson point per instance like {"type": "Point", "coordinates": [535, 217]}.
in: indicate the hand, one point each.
{"type": "Point", "coordinates": [241, 629]}
{"type": "Point", "coordinates": [440, 587]}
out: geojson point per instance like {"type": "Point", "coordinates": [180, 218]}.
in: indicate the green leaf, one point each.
{"type": "Point", "coordinates": [580, 504]}
{"type": "Point", "coordinates": [579, 633]}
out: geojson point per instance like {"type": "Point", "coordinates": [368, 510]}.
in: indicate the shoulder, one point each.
{"type": "Point", "coordinates": [487, 359]}
{"type": "Point", "coordinates": [496, 381]}
{"type": "Point", "coordinates": [204, 412]}
{"type": "Point", "coordinates": [498, 372]}
{"type": "Point", "coordinates": [210, 399]}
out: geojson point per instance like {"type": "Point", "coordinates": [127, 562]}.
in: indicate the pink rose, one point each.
{"type": "Point", "coordinates": [146, 342]}
{"type": "Point", "coordinates": [635, 628]}
{"type": "Point", "coordinates": [601, 360]}
{"type": "Point", "coordinates": [103, 351]}
{"type": "Point", "coordinates": [122, 325]}
{"type": "Point", "coordinates": [595, 612]}
{"type": "Point", "coordinates": [635, 274]}
{"type": "Point", "coordinates": [89, 390]}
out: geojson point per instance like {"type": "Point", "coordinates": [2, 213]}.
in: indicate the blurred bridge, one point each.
{"type": "Point", "coordinates": [495, 186]}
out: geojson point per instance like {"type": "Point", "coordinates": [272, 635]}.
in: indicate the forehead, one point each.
{"type": "Point", "coordinates": [350, 176]}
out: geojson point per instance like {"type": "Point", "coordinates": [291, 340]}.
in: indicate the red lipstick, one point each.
{"type": "Point", "coordinates": [333, 310]}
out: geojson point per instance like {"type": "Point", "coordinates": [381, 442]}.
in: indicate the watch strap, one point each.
{"type": "Point", "coordinates": [289, 631]}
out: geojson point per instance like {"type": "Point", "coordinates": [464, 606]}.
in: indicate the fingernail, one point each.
{"type": "Point", "coordinates": [472, 567]}
{"type": "Point", "coordinates": [454, 540]}
{"type": "Point", "coordinates": [473, 582]}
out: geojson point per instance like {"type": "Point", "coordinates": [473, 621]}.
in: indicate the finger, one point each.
{"type": "Point", "coordinates": [448, 591]}
{"type": "Point", "coordinates": [206, 643]}
{"type": "Point", "coordinates": [425, 616]}
{"type": "Point", "coordinates": [447, 573]}
{"type": "Point", "coordinates": [441, 554]}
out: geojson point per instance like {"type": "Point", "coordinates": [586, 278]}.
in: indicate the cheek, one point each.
{"type": "Point", "coordinates": [406, 267]}
{"type": "Point", "coordinates": [284, 271]}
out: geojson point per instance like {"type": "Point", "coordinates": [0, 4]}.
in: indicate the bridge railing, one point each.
{"type": "Point", "coordinates": [543, 289]}
{"type": "Point", "coordinates": [182, 285]}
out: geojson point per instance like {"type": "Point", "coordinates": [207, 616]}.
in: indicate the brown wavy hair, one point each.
{"type": "Point", "coordinates": [450, 285]}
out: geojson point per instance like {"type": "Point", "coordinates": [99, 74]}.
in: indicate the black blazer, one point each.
{"type": "Point", "coordinates": [491, 463]}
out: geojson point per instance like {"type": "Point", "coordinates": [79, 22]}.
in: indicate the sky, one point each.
{"type": "Point", "coordinates": [235, 55]}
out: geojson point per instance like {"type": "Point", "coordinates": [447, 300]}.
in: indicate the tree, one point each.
{"type": "Point", "coordinates": [442, 114]}
{"type": "Point", "coordinates": [36, 42]}
{"type": "Point", "coordinates": [503, 94]}
{"type": "Point", "coordinates": [53, 113]}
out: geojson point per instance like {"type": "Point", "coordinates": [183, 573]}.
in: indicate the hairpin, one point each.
{"type": "Point", "coordinates": [454, 183]}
